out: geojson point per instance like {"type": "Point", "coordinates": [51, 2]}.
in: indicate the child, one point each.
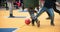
{"type": "Point", "coordinates": [55, 9]}
{"type": "Point", "coordinates": [31, 12]}
{"type": "Point", "coordinates": [31, 4]}
{"type": "Point", "coordinates": [48, 7]}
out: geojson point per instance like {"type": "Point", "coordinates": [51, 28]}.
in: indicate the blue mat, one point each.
{"type": "Point", "coordinates": [7, 29]}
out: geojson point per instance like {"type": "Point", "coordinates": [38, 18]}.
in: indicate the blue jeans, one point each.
{"type": "Point", "coordinates": [50, 12]}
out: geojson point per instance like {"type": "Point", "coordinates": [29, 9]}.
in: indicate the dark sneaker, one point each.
{"type": "Point", "coordinates": [33, 25]}
{"type": "Point", "coordinates": [48, 18]}
{"type": "Point", "coordinates": [11, 16]}
{"type": "Point", "coordinates": [38, 23]}
{"type": "Point", "coordinates": [52, 25]}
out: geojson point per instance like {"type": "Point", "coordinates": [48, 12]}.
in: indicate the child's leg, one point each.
{"type": "Point", "coordinates": [41, 11]}
{"type": "Point", "coordinates": [48, 16]}
{"type": "Point", "coordinates": [51, 12]}
{"type": "Point", "coordinates": [33, 22]}
{"type": "Point", "coordinates": [37, 22]}
{"type": "Point", "coordinates": [31, 12]}
{"type": "Point", "coordinates": [10, 5]}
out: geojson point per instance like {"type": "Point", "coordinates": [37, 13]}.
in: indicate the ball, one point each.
{"type": "Point", "coordinates": [27, 21]}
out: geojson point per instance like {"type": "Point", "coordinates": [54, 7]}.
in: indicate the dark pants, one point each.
{"type": "Point", "coordinates": [31, 12]}
{"type": "Point", "coordinates": [49, 11]}
{"type": "Point", "coordinates": [55, 9]}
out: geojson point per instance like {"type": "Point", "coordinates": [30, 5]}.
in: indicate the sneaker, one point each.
{"type": "Point", "coordinates": [52, 25]}
{"type": "Point", "coordinates": [38, 23]}
{"type": "Point", "coordinates": [33, 25]}
{"type": "Point", "coordinates": [48, 18]}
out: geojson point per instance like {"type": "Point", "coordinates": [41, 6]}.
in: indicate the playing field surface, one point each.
{"type": "Point", "coordinates": [19, 23]}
